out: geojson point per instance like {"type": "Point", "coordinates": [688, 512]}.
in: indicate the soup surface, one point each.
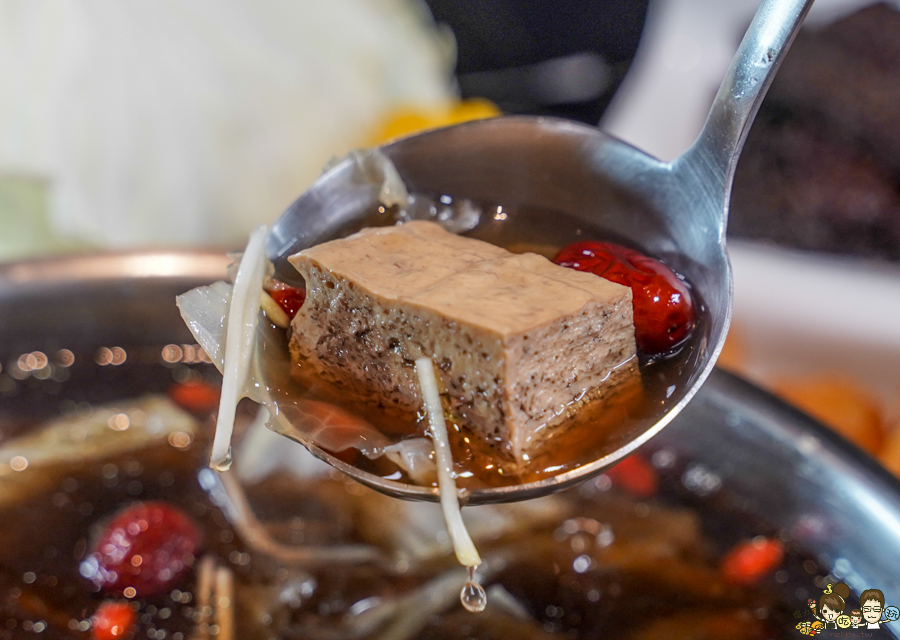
{"type": "Point", "coordinates": [637, 553]}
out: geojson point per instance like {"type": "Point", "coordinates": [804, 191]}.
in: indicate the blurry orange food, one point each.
{"type": "Point", "coordinates": [752, 560]}
{"type": "Point", "coordinates": [890, 454]}
{"type": "Point", "coordinates": [404, 122]}
{"type": "Point", "coordinates": [197, 397]}
{"type": "Point", "coordinates": [636, 476]}
{"type": "Point", "coordinates": [839, 403]}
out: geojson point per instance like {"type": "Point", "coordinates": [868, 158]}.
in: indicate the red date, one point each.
{"type": "Point", "coordinates": [290, 299]}
{"type": "Point", "coordinates": [148, 546]}
{"type": "Point", "coordinates": [664, 312]}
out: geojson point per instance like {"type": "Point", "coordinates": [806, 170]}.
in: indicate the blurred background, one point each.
{"type": "Point", "coordinates": [162, 123]}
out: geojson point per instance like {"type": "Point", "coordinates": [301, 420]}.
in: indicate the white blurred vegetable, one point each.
{"type": "Point", "coordinates": [192, 122]}
{"type": "Point", "coordinates": [240, 340]}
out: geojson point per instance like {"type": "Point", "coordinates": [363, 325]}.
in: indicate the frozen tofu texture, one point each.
{"type": "Point", "coordinates": [518, 341]}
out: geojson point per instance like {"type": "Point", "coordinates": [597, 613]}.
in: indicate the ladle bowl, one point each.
{"type": "Point", "coordinates": [676, 211]}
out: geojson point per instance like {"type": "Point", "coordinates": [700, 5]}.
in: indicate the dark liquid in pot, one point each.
{"type": "Point", "coordinates": [591, 562]}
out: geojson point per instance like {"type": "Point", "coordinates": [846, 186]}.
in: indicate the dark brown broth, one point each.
{"type": "Point", "coordinates": [626, 589]}
{"type": "Point", "coordinates": [594, 431]}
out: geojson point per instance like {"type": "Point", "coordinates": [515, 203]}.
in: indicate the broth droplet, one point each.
{"type": "Point", "coordinates": [224, 464]}
{"type": "Point", "coordinates": [473, 596]}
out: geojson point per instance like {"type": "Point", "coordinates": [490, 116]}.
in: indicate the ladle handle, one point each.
{"type": "Point", "coordinates": [713, 157]}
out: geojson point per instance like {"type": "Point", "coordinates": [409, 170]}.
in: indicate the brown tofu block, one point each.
{"type": "Point", "coordinates": [518, 341]}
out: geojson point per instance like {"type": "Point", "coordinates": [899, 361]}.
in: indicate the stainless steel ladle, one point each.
{"type": "Point", "coordinates": [585, 173]}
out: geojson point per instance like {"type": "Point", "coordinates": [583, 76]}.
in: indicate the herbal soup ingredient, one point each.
{"type": "Point", "coordinates": [147, 546]}
{"type": "Point", "coordinates": [240, 339]}
{"type": "Point", "coordinates": [664, 312]}
{"type": "Point", "coordinates": [112, 620]}
{"type": "Point", "coordinates": [462, 542]}
{"type": "Point", "coordinates": [520, 343]}
{"type": "Point", "coordinates": [290, 299]}
{"type": "Point", "coordinates": [752, 560]}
